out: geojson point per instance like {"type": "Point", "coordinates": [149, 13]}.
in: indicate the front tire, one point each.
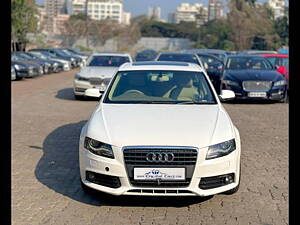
{"type": "Point", "coordinates": [285, 98]}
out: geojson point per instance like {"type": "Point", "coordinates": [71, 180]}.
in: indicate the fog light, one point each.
{"type": "Point", "coordinates": [228, 179]}
{"type": "Point", "coordinates": [90, 176]}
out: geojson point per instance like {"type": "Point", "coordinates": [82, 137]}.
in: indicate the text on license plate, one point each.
{"type": "Point", "coordinates": [159, 173]}
{"type": "Point", "coordinates": [257, 94]}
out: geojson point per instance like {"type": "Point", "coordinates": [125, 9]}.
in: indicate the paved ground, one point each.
{"type": "Point", "coordinates": [45, 175]}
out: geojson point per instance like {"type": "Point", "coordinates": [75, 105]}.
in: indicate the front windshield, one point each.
{"type": "Point", "coordinates": [220, 56]}
{"type": "Point", "coordinates": [60, 52]}
{"type": "Point", "coordinates": [111, 61]}
{"type": "Point", "coordinates": [156, 86]}
{"type": "Point", "coordinates": [38, 55]}
{"type": "Point", "coordinates": [17, 57]}
{"type": "Point", "coordinates": [67, 52]}
{"type": "Point", "coordinates": [248, 63]}
{"type": "Point", "coordinates": [279, 61]}
{"type": "Point", "coordinates": [179, 58]}
{"type": "Point", "coordinates": [26, 56]}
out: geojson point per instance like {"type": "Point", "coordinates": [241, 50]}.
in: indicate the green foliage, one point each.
{"type": "Point", "coordinates": [23, 19]}
{"type": "Point", "coordinates": [152, 28]}
{"type": "Point", "coordinates": [215, 34]}
{"type": "Point", "coordinates": [281, 27]}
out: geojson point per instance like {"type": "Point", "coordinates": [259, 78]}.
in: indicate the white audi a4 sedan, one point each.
{"type": "Point", "coordinates": [99, 69]}
{"type": "Point", "coordinates": [160, 129]}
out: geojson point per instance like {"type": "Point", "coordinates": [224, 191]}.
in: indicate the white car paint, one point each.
{"type": "Point", "coordinates": [13, 73]}
{"type": "Point", "coordinates": [196, 126]}
{"type": "Point", "coordinates": [95, 72]}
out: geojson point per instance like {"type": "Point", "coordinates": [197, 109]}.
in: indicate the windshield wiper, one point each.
{"type": "Point", "coordinates": [157, 102]}
{"type": "Point", "coordinates": [195, 103]}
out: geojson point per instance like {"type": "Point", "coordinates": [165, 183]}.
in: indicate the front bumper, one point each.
{"type": "Point", "coordinates": [116, 168]}
{"type": "Point", "coordinates": [81, 87]}
{"type": "Point", "coordinates": [275, 93]}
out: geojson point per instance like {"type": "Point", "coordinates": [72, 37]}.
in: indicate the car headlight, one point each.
{"type": "Point", "coordinates": [72, 59]}
{"type": "Point", "coordinates": [19, 67]}
{"type": "Point", "coordinates": [221, 149]}
{"type": "Point", "coordinates": [55, 64]}
{"type": "Point", "coordinates": [230, 83]}
{"type": "Point", "coordinates": [280, 83]}
{"type": "Point", "coordinates": [78, 77]}
{"type": "Point", "coordinates": [98, 148]}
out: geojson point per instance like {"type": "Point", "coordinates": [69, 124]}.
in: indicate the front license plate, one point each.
{"type": "Point", "coordinates": [257, 94]}
{"type": "Point", "coordinates": [159, 173]}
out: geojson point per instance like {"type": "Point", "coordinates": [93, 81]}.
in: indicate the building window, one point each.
{"type": "Point", "coordinates": [116, 12]}
{"type": "Point", "coordinates": [116, 7]}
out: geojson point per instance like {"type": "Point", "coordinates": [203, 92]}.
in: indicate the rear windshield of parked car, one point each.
{"type": "Point", "coordinates": [248, 63]}
{"type": "Point", "coordinates": [111, 61]}
{"type": "Point", "coordinates": [179, 58]}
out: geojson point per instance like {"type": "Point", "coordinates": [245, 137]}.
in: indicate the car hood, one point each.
{"type": "Point", "coordinates": [98, 71]}
{"type": "Point", "coordinates": [257, 75]}
{"type": "Point", "coordinates": [26, 63]}
{"type": "Point", "coordinates": [160, 125]}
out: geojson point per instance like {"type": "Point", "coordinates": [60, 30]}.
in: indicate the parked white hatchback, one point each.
{"type": "Point", "coordinates": [99, 69]}
{"type": "Point", "coordinates": [160, 129]}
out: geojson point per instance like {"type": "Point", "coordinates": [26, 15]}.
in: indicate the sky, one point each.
{"type": "Point", "coordinates": [138, 7]}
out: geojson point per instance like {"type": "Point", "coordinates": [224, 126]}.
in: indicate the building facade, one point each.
{"type": "Point", "coordinates": [189, 13]}
{"type": "Point", "coordinates": [278, 7]}
{"type": "Point", "coordinates": [215, 9]}
{"type": "Point", "coordinates": [53, 8]}
{"type": "Point", "coordinates": [154, 13]}
{"type": "Point", "coordinates": [102, 9]}
{"type": "Point", "coordinates": [58, 23]}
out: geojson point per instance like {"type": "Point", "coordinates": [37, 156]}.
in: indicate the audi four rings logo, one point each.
{"type": "Point", "coordinates": [160, 157]}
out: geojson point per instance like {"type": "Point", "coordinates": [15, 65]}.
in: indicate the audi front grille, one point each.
{"type": "Point", "coordinates": [257, 85]}
{"type": "Point", "coordinates": [164, 157]}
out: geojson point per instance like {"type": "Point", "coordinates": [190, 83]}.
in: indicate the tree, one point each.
{"type": "Point", "coordinates": [23, 19]}
{"type": "Point", "coordinates": [216, 34]}
{"type": "Point", "coordinates": [282, 29]}
{"type": "Point", "coordinates": [251, 24]}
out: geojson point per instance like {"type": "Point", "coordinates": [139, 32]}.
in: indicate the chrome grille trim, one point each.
{"type": "Point", "coordinates": [99, 81]}
{"type": "Point", "coordinates": [135, 157]}
{"type": "Point", "coordinates": [257, 85]}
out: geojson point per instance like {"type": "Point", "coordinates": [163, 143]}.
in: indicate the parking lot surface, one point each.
{"type": "Point", "coordinates": [46, 123]}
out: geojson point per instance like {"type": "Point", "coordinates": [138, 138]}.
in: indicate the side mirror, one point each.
{"type": "Point", "coordinates": [276, 67]}
{"type": "Point", "coordinates": [227, 95]}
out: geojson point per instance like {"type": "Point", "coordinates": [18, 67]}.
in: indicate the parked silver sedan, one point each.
{"type": "Point", "coordinates": [99, 69]}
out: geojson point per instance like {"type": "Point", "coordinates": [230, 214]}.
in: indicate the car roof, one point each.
{"type": "Point", "coordinates": [111, 54]}
{"type": "Point", "coordinates": [217, 51]}
{"type": "Point", "coordinates": [161, 65]}
{"type": "Point", "coordinates": [244, 56]}
{"type": "Point", "coordinates": [275, 55]}
{"type": "Point", "coordinates": [177, 53]}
